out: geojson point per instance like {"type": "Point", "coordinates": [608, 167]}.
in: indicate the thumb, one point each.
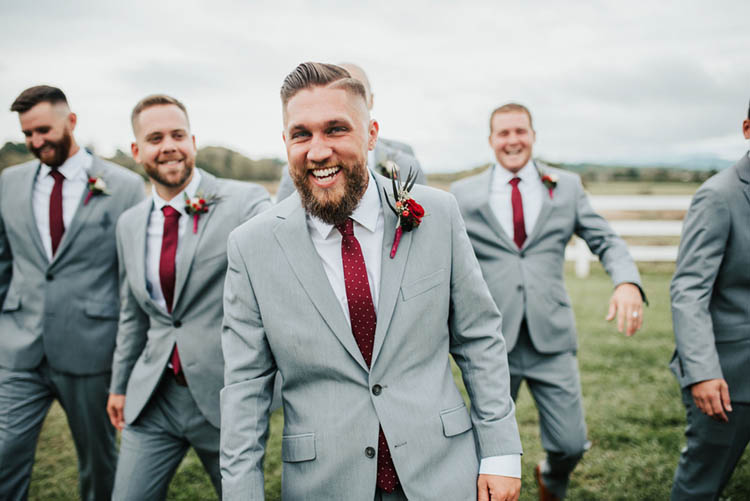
{"type": "Point", "coordinates": [612, 310]}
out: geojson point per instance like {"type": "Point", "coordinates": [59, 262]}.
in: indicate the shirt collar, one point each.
{"type": "Point", "coordinates": [178, 202]}
{"type": "Point", "coordinates": [527, 173]}
{"type": "Point", "coordinates": [366, 213]}
{"type": "Point", "coordinates": [73, 167]}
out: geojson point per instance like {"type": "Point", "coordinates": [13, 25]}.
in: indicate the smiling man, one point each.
{"type": "Point", "coordinates": [360, 329]}
{"type": "Point", "coordinates": [168, 367]}
{"type": "Point", "coordinates": [520, 215]}
{"type": "Point", "coordinates": [59, 293]}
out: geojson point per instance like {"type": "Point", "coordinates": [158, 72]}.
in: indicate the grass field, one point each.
{"type": "Point", "coordinates": [633, 411]}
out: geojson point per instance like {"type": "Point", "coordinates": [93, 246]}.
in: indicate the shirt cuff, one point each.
{"type": "Point", "coordinates": [508, 465]}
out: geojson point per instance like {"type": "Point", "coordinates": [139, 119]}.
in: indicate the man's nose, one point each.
{"type": "Point", "coordinates": [319, 150]}
{"type": "Point", "coordinates": [37, 140]}
{"type": "Point", "coordinates": [168, 145]}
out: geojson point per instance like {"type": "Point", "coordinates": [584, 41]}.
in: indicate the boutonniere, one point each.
{"type": "Point", "coordinates": [407, 210]}
{"type": "Point", "coordinates": [97, 186]}
{"type": "Point", "coordinates": [198, 205]}
{"type": "Point", "coordinates": [550, 182]}
{"type": "Point", "coordinates": [388, 168]}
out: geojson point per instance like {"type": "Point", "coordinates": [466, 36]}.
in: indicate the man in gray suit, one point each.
{"type": "Point", "coordinates": [387, 152]}
{"type": "Point", "coordinates": [361, 329]}
{"type": "Point", "coordinates": [58, 291]}
{"type": "Point", "coordinates": [520, 215]}
{"type": "Point", "coordinates": [168, 366]}
{"type": "Point", "coordinates": [710, 296]}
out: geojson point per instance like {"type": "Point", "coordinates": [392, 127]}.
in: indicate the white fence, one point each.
{"type": "Point", "coordinates": [580, 253]}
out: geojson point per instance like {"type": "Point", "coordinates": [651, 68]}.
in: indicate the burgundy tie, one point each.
{"type": "Point", "coordinates": [56, 224]}
{"type": "Point", "coordinates": [166, 266]}
{"type": "Point", "coordinates": [519, 226]}
{"type": "Point", "coordinates": [363, 320]}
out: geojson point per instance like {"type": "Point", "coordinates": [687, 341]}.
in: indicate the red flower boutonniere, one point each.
{"type": "Point", "coordinates": [97, 186]}
{"type": "Point", "coordinates": [198, 205]}
{"type": "Point", "coordinates": [550, 182]}
{"type": "Point", "coordinates": [408, 211]}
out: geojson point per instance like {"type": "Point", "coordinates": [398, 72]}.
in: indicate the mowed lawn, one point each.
{"type": "Point", "coordinates": [633, 411]}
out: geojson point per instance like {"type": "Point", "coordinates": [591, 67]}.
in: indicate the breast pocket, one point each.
{"type": "Point", "coordinates": [422, 285]}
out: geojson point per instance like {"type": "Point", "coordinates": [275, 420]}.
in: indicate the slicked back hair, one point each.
{"type": "Point", "coordinates": [35, 95]}
{"type": "Point", "coordinates": [511, 108]}
{"type": "Point", "coordinates": [308, 75]}
{"type": "Point", "coordinates": [155, 100]}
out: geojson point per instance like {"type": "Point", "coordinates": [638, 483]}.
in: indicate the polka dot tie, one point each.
{"type": "Point", "coordinates": [363, 321]}
{"type": "Point", "coordinates": [169, 241]}
{"type": "Point", "coordinates": [56, 224]}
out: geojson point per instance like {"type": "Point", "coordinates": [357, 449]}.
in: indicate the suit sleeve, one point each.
{"type": "Point", "coordinates": [132, 329]}
{"type": "Point", "coordinates": [704, 238]}
{"type": "Point", "coordinates": [478, 347]}
{"type": "Point", "coordinates": [249, 372]}
{"type": "Point", "coordinates": [6, 256]}
{"type": "Point", "coordinates": [604, 242]}
{"type": "Point", "coordinates": [286, 185]}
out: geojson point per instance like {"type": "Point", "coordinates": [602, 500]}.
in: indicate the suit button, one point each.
{"type": "Point", "coordinates": [177, 323]}
{"type": "Point", "coordinates": [49, 277]}
{"type": "Point", "coordinates": [370, 452]}
{"type": "Point", "coordinates": [519, 287]}
{"type": "Point", "coordinates": [377, 390]}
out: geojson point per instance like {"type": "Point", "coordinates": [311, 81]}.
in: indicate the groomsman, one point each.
{"type": "Point", "coordinates": [387, 152]}
{"type": "Point", "coordinates": [168, 367]}
{"type": "Point", "coordinates": [520, 215]}
{"type": "Point", "coordinates": [361, 325]}
{"type": "Point", "coordinates": [58, 291]}
{"type": "Point", "coordinates": [710, 297]}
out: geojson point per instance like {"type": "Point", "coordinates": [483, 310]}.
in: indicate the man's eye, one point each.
{"type": "Point", "coordinates": [43, 130]}
{"type": "Point", "coordinates": [154, 139]}
{"type": "Point", "coordinates": [300, 134]}
{"type": "Point", "coordinates": [178, 135]}
{"type": "Point", "coordinates": [336, 130]}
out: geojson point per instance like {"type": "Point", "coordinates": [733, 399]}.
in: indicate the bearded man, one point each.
{"type": "Point", "coordinates": [59, 293]}
{"type": "Point", "coordinates": [360, 317]}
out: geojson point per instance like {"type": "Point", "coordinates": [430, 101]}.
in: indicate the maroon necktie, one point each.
{"type": "Point", "coordinates": [56, 224]}
{"type": "Point", "coordinates": [519, 226]}
{"type": "Point", "coordinates": [166, 265]}
{"type": "Point", "coordinates": [363, 320]}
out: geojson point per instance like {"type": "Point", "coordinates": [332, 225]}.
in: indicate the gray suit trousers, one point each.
{"type": "Point", "coordinates": [712, 451]}
{"type": "Point", "coordinates": [555, 385]}
{"type": "Point", "coordinates": [153, 446]}
{"type": "Point", "coordinates": [25, 398]}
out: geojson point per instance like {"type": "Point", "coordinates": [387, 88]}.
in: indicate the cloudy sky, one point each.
{"type": "Point", "coordinates": [606, 81]}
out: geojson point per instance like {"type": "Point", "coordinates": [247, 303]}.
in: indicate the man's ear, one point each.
{"type": "Point", "coordinates": [373, 130]}
{"type": "Point", "coordinates": [72, 120]}
{"type": "Point", "coordinates": [135, 152]}
{"type": "Point", "coordinates": [746, 128]}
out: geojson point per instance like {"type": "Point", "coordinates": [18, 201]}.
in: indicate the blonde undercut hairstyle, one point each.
{"type": "Point", "coordinates": [155, 100]}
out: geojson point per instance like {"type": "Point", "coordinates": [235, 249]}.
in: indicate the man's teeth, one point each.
{"type": "Point", "coordinates": [171, 162]}
{"type": "Point", "coordinates": [321, 173]}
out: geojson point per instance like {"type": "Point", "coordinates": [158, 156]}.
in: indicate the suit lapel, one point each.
{"type": "Point", "coordinates": [391, 270]}
{"type": "Point", "coordinates": [294, 238]}
{"type": "Point", "coordinates": [28, 189]}
{"type": "Point", "coordinates": [190, 240]}
{"type": "Point", "coordinates": [743, 171]}
{"type": "Point", "coordinates": [138, 230]}
{"type": "Point", "coordinates": [544, 212]}
{"type": "Point", "coordinates": [483, 186]}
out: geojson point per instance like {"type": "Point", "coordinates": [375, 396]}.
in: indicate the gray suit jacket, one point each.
{"type": "Point", "coordinates": [529, 281]}
{"type": "Point", "coordinates": [711, 286]}
{"type": "Point", "coordinates": [281, 313]}
{"type": "Point", "coordinates": [147, 333]}
{"type": "Point", "coordinates": [64, 310]}
{"type": "Point", "coordinates": [385, 149]}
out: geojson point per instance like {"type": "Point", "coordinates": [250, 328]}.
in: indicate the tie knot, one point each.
{"type": "Point", "coordinates": [346, 228]}
{"type": "Point", "coordinates": [56, 175]}
{"type": "Point", "coordinates": [514, 182]}
{"type": "Point", "coordinates": [170, 211]}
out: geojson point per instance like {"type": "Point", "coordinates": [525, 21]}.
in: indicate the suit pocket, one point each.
{"type": "Point", "coordinates": [455, 420]}
{"type": "Point", "coordinates": [297, 448]}
{"type": "Point", "coordinates": [12, 303]}
{"type": "Point", "coordinates": [99, 309]}
{"type": "Point", "coordinates": [422, 285]}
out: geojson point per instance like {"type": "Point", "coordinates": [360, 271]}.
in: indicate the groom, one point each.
{"type": "Point", "coordinates": [361, 336]}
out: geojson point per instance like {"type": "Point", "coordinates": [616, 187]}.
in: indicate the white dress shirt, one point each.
{"type": "Point", "coordinates": [75, 170]}
{"type": "Point", "coordinates": [155, 232]}
{"type": "Point", "coordinates": [369, 229]}
{"type": "Point", "coordinates": [531, 188]}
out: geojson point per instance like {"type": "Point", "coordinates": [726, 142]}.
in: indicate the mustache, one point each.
{"type": "Point", "coordinates": [37, 151]}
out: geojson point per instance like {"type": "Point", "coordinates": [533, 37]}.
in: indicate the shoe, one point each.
{"type": "Point", "coordinates": [544, 493]}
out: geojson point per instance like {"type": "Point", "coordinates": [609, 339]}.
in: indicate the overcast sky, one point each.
{"type": "Point", "coordinates": [606, 81]}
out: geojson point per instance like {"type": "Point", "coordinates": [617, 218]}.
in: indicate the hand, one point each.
{"type": "Point", "coordinates": [712, 398]}
{"type": "Point", "coordinates": [627, 303]}
{"type": "Point", "coordinates": [116, 410]}
{"type": "Point", "coordinates": [498, 488]}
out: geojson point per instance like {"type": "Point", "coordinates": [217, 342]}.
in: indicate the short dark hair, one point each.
{"type": "Point", "coordinates": [748, 112]}
{"type": "Point", "coordinates": [35, 95]}
{"type": "Point", "coordinates": [156, 100]}
{"type": "Point", "coordinates": [309, 74]}
{"type": "Point", "coordinates": [511, 108]}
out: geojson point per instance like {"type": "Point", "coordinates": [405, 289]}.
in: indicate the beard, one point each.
{"type": "Point", "coordinates": [153, 172]}
{"type": "Point", "coordinates": [323, 205]}
{"type": "Point", "coordinates": [60, 150]}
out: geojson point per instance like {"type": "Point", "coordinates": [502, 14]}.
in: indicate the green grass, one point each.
{"type": "Point", "coordinates": [633, 411]}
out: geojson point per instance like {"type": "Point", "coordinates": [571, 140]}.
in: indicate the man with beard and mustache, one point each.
{"type": "Point", "coordinates": [361, 334]}
{"type": "Point", "coordinates": [168, 367]}
{"type": "Point", "coordinates": [59, 293]}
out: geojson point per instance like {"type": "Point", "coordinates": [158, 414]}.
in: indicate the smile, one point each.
{"type": "Point", "coordinates": [322, 174]}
